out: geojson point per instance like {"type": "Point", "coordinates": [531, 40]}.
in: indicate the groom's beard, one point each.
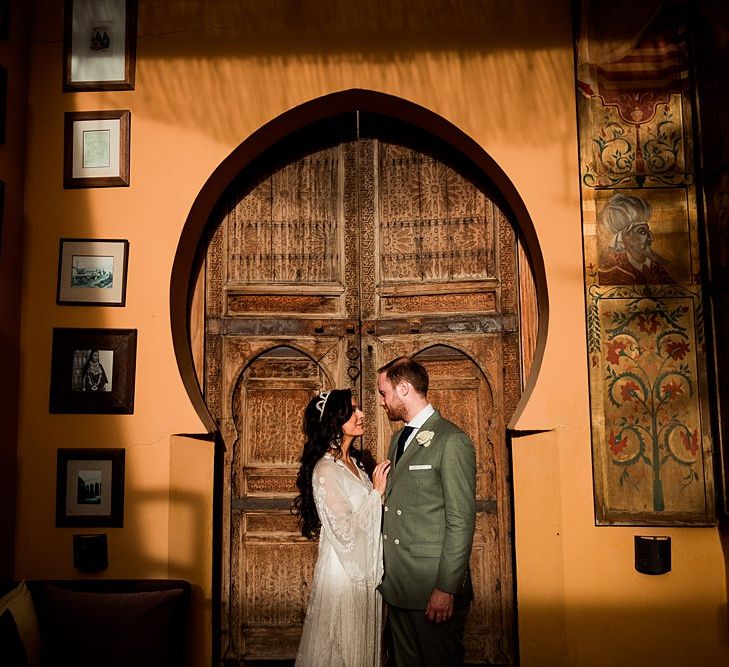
{"type": "Point", "coordinates": [396, 412]}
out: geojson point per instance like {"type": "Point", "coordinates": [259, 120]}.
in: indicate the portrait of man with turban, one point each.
{"type": "Point", "coordinates": [630, 258]}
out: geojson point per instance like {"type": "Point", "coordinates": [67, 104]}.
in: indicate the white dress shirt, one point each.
{"type": "Point", "coordinates": [417, 421]}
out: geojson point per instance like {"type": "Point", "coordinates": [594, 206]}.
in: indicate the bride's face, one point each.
{"type": "Point", "coordinates": [354, 426]}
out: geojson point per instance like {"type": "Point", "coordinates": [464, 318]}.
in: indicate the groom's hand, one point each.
{"type": "Point", "coordinates": [440, 606]}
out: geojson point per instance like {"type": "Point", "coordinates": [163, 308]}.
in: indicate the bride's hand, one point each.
{"type": "Point", "coordinates": [379, 476]}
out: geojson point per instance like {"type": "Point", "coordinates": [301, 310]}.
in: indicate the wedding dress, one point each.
{"type": "Point", "coordinates": [343, 623]}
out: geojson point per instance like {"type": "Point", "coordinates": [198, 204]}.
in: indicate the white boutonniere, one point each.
{"type": "Point", "coordinates": [424, 438]}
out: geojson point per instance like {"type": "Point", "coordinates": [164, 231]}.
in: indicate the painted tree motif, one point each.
{"type": "Point", "coordinates": [649, 381]}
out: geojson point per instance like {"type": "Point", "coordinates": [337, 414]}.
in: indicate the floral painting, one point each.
{"type": "Point", "coordinates": [653, 436]}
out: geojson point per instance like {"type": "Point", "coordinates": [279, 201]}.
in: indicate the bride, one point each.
{"type": "Point", "coordinates": [339, 504]}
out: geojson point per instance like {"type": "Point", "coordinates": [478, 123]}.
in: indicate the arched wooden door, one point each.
{"type": "Point", "coordinates": [361, 241]}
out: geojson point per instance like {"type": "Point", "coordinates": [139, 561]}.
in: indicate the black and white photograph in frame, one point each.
{"type": "Point", "coordinates": [93, 371]}
{"type": "Point", "coordinates": [99, 45]}
{"type": "Point", "coordinates": [92, 272]}
{"type": "Point", "coordinates": [90, 370]}
{"type": "Point", "coordinates": [90, 487]}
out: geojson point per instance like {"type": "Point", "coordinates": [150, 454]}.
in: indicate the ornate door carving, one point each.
{"type": "Point", "coordinates": [325, 269]}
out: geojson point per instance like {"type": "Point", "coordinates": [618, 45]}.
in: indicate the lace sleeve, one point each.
{"type": "Point", "coordinates": [354, 532]}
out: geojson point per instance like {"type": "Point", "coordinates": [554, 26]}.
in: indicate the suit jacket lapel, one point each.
{"type": "Point", "coordinates": [429, 424]}
{"type": "Point", "coordinates": [391, 456]}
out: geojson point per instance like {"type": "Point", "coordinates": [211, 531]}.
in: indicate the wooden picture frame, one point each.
{"type": "Point", "coordinates": [99, 45]}
{"type": "Point", "coordinates": [90, 488]}
{"type": "Point", "coordinates": [92, 272]}
{"type": "Point", "coordinates": [96, 149]}
{"type": "Point", "coordinates": [93, 371]}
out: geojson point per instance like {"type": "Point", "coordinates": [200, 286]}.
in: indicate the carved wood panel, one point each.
{"type": "Point", "coordinates": [320, 273]}
{"type": "Point", "coordinates": [270, 393]}
{"type": "Point", "coordinates": [434, 224]}
{"type": "Point", "coordinates": [286, 229]}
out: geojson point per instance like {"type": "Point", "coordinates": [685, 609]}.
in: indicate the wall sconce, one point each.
{"type": "Point", "coordinates": [652, 554]}
{"type": "Point", "coordinates": [90, 552]}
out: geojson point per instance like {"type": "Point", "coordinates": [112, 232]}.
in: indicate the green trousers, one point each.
{"type": "Point", "coordinates": [417, 642]}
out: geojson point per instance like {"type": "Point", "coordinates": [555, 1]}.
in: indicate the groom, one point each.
{"type": "Point", "coordinates": [428, 522]}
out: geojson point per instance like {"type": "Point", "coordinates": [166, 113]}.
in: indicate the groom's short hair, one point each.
{"type": "Point", "coordinates": [406, 368]}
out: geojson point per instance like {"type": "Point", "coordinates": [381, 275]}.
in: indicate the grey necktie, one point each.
{"type": "Point", "coordinates": [402, 440]}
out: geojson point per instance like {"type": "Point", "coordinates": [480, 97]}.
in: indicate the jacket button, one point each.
{"type": "Point", "coordinates": [399, 512]}
{"type": "Point", "coordinates": [397, 541]}
{"type": "Point", "coordinates": [387, 509]}
{"type": "Point", "coordinates": [384, 537]}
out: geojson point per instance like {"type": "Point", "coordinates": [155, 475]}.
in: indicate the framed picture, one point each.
{"type": "Point", "coordinates": [92, 272]}
{"type": "Point", "coordinates": [90, 487]}
{"type": "Point", "coordinates": [96, 149]}
{"type": "Point", "coordinates": [92, 371]}
{"type": "Point", "coordinates": [99, 45]}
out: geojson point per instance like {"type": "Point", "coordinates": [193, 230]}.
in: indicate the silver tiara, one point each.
{"type": "Point", "coordinates": [322, 402]}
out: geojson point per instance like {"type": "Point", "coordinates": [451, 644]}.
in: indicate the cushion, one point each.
{"type": "Point", "coordinates": [111, 629]}
{"type": "Point", "coordinates": [20, 604]}
{"type": "Point", "coordinates": [12, 650]}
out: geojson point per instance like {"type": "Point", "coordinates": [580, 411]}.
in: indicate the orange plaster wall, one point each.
{"type": "Point", "coordinates": [200, 91]}
{"type": "Point", "coordinates": [191, 536]}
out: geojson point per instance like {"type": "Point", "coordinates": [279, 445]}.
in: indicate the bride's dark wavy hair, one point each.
{"type": "Point", "coordinates": [322, 431]}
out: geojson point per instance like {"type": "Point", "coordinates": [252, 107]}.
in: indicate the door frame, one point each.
{"type": "Point", "coordinates": [247, 160]}
{"type": "Point", "coordinates": [253, 157]}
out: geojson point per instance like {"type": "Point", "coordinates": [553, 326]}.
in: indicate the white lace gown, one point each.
{"type": "Point", "coordinates": [343, 625]}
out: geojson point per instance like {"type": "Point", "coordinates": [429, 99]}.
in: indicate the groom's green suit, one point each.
{"type": "Point", "coordinates": [429, 517]}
